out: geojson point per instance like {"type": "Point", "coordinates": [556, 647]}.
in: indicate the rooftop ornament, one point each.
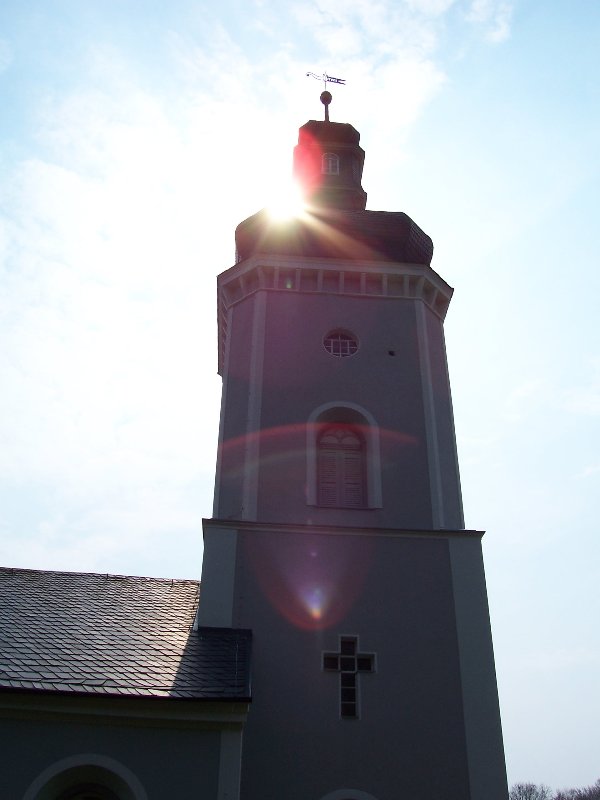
{"type": "Point", "coordinates": [325, 95]}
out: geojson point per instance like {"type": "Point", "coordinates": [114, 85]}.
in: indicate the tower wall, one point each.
{"type": "Point", "coordinates": [277, 374]}
{"type": "Point", "coordinates": [338, 535]}
{"type": "Point", "coordinates": [428, 720]}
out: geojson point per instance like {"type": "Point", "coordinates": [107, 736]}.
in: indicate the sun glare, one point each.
{"type": "Point", "coordinates": [286, 202]}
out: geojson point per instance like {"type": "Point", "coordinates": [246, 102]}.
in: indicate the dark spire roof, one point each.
{"type": "Point", "coordinates": [326, 233]}
{"type": "Point", "coordinates": [328, 164]}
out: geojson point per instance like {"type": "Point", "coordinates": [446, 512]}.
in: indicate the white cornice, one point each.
{"type": "Point", "coordinates": [338, 276]}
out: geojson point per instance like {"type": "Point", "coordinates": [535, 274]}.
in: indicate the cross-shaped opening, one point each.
{"type": "Point", "coordinates": [349, 663]}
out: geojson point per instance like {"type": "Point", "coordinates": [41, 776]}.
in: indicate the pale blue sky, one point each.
{"type": "Point", "coordinates": [479, 119]}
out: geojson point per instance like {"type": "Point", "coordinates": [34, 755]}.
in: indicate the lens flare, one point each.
{"type": "Point", "coordinates": [287, 202]}
{"type": "Point", "coordinates": [314, 601]}
{"type": "Point", "coordinates": [311, 580]}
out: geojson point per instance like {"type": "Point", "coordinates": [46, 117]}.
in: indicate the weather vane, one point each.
{"type": "Point", "coordinates": [325, 95]}
{"type": "Point", "coordinates": [326, 79]}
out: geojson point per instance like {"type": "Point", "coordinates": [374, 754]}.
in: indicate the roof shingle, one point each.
{"type": "Point", "coordinates": [115, 634]}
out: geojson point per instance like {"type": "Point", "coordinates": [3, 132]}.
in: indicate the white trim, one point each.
{"type": "Point", "coordinates": [481, 711]}
{"type": "Point", "coordinates": [461, 513]}
{"type": "Point", "coordinates": [373, 455]}
{"type": "Point", "coordinates": [218, 469]}
{"type": "Point", "coordinates": [215, 607]}
{"type": "Point", "coordinates": [253, 418]}
{"type": "Point", "coordinates": [230, 765]}
{"type": "Point", "coordinates": [431, 434]}
{"type": "Point", "coordinates": [41, 790]}
{"type": "Point", "coordinates": [433, 290]}
{"type": "Point", "coordinates": [348, 794]}
{"type": "Point", "coordinates": [133, 711]}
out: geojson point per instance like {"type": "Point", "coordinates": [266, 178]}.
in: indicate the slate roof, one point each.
{"type": "Point", "coordinates": [334, 233]}
{"type": "Point", "coordinates": [115, 635]}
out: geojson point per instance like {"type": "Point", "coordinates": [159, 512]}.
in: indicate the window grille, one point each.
{"type": "Point", "coordinates": [349, 663]}
{"type": "Point", "coordinates": [340, 468]}
{"type": "Point", "coordinates": [340, 343]}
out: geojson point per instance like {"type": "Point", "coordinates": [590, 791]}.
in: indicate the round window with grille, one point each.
{"type": "Point", "coordinates": [340, 343]}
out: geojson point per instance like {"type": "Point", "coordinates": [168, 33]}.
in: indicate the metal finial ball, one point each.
{"type": "Point", "coordinates": [326, 98]}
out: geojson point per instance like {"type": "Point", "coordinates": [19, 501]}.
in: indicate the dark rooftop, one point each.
{"type": "Point", "coordinates": [115, 635]}
{"type": "Point", "coordinates": [333, 233]}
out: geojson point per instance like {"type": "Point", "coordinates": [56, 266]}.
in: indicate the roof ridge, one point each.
{"type": "Point", "coordinates": [106, 575]}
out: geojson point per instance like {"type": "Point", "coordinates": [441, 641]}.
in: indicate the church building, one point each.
{"type": "Point", "coordinates": [339, 644]}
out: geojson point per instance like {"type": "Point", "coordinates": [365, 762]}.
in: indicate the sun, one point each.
{"type": "Point", "coordinates": [286, 201]}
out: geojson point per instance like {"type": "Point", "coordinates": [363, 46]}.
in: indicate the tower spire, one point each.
{"type": "Point", "coordinates": [326, 99]}
{"type": "Point", "coordinates": [325, 95]}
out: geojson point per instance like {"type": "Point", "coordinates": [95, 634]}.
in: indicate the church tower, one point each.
{"type": "Point", "coordinates": [338, 535]}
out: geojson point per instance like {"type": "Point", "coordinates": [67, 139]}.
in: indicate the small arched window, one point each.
{"type": "Point", "coordinates": [340, 467]}
{"type": "Point", "coordinates": [87, 776]}
{"type": "Point", "coordinates": [88, 791]}
{"type": "Point", "coordinates": [330, 164]}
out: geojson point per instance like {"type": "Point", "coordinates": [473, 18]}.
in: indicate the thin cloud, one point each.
{"type": "Point", "coordinates": [493, 16]}
{"type": "Point", "coordinates": [105, 226]}
{"type": "Point", "coordinates": [371, 30]}
{"type": "Point", "coordinates": [589, 471]}
{"type": "Point", "coordinates": [431, 7]}
{"type": "Point", "coordinates": [523, 399]}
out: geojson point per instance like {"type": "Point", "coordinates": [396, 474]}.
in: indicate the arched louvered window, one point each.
{"type": "Point", "coordinates": [330, 164]}
{"type": "Point", "coordinates": [340, 467]}
{"type": "Point", "coordinates": [343, 463]}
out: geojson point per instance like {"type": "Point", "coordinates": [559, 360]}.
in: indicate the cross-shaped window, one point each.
{"type": "Point", "coordinates": [349, 663]}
